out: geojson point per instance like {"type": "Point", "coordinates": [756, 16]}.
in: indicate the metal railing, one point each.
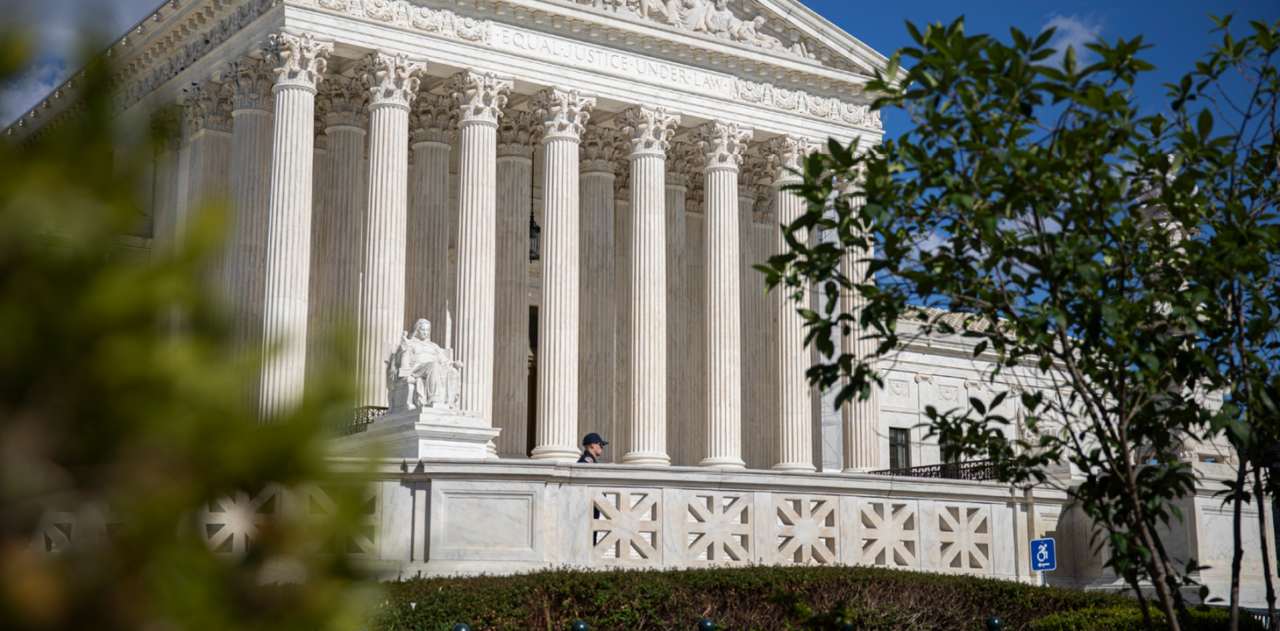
{"type": "Point", "coordinates": [972, 470]}
{"type": "Point", "coordinates": [356, 421]}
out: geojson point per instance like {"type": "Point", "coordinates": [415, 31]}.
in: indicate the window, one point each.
{"type": "Point", "coordinates": [899, 448]}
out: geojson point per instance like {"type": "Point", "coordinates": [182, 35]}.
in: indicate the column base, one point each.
{"type": "Point", "coordinates": [723, 463]}
{"type": "Point", "coordinates": [647, 458]}
{"type": "Point", "coordinates": [794, 466]}
{"type": "Point", "coordinates": [491, 451]}
{"type": "Point", "coordinates": [559, 454]}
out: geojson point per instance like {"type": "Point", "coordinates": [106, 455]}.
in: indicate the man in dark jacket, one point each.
{"type": "Point", "coordinates": [592, 446]}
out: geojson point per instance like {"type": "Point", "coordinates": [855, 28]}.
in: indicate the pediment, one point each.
{"type": "Point", "coordinates": [781, 27]}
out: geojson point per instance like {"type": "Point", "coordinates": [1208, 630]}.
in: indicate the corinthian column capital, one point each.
{"type": "Point", "coordinates": [207, 107]}
{"type": "Point", "coordinates": [649, 129]}
{"type": "Point", "coordinates": [721, 145]}
{"type": "Point", "coordinates": [393, 79]}
{"type": "Point", "coordinates": [786, 154]}
{"type": "Point", "coordinates": [480, 97]}
{"type": "Point", "coordinates": [679, 158]}
{"type": "Point", "coordinates": [598, 148]}
{"type": "Point", "coordinates": [564, 112]}
{"type": "Point", "coordinates": [298, 60]}
{"type": "Point", "coordinates": [248, 84]}
{"type": "Point", "coordinates": [433, 119]}
{"type": "Point", "coordinates": [517, 133]}
{"type": "Point", "coordinates": [342, 102]}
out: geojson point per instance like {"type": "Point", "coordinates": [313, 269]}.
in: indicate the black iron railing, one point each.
{"type": "Point", "coordinates": [972, 470]}
{"type": "Point", "coordinates": [355, 421]}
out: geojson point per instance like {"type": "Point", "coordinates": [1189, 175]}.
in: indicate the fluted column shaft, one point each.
{"type": "Point", "coordinates": [298, 62]}
{"type": "Point", "coordinates": [511, 350]}
{"type": "Point", "coordinates": [480, 99]}
{"type": "Point", "coordinates": [649, 133]}
{"type": "Point", "coordinates": [694, 430]}
{"type": "Point", "coordinates": [393, 83]}
{"type": "Point", "coordinates": [427, 272]}
{"type": "Point", "coordinates": [722, 146]}
{"type": "Point", "coordinates": [622, 309]}
{"type": "Point", "coordinates": [250, 84]}
{"type": "Point", "coordinates": [794, 438]}
{"type": "Point", "coordinates": [764, 235]}
{"type": "Point", "coordinates": [677, 309]}
{"type": "Point", "coordinates": [564, 114]}
{"type": "Point", "coordinates": [749, 329]}
{"type": "Point", "coordinates": [861, 418]}
{"type": "Point", "coordinates": [597, 283]}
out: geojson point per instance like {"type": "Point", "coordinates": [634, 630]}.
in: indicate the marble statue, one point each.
{"type": "Point", "coordinates": [421, 374]}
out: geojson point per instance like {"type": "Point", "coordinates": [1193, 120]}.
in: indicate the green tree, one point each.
{"type": "Point", "coordinates": [1088, 245]}
{"type": "Point", "coordinates": [106, 414]}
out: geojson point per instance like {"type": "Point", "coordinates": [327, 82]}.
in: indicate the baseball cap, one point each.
{"type": "Point", "coordinates": [593, 439]}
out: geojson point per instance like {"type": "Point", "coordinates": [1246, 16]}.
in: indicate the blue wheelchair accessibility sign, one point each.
{"type": "Point", "coordinates": [1043, 558]}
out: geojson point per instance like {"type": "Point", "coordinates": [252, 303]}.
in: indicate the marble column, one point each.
{"type": "Point", "coordinates": [318, 343]}
{"type": "Point", "coordinates": [695, 356]}
{"type": "Point", "coordinates": [764, 233]}
{"type": "Point", "coordinates": [622, 304]}
{"type": "Point", "coordinates": [480, 99]}
{"type": "Point", "coordinates": [393, 85]}
{"type": "Point", "coordinates": [207, 113]}
{"type": "Point", "coordinates": [861, 417]}
{"type": "Point", "coordinates": [794, 436]}
{"type": "Point", "coordinates": [339, 222]}
{"type": "Point", "coordinates": [648, 131]}
{"type": "Point", "coordinates": [431, 125]}
{"type": "Point", "coordinates": [299, 62]}
{"type": "Point", "coordinates": [748, 332]}
{"type": "Point", "coordinates": [517, 134]}
{"type": "Point", "coordinates": [597, 282]}
{"type": "Point", "coordinates": [564, 115]}
{"type": "Point", "coordinates": [722, 146]}
{"type": "Point", "coordinates": [678, 374]}
{"type": "Point", "coordinates": [249, 85]}
{"type": "Point", "coordinates": [165, 128]}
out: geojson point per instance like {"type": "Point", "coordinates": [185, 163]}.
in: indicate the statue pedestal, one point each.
{"type": "Point", "coordinates": [422, 434]}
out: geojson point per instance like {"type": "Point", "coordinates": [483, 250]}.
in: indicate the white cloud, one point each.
{"type": "Point", "coordinates": [61, 29]}
{"type": "Point", "coordinates": [1071, 32]}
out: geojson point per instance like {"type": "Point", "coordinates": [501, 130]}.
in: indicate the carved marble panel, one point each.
{"type": "Point", "coordinates": [358, 536]}
{"type": "Point", "coordinates": [806, 529]}
{"type": "Point", "coordinates": [889, 533]}
{"type": "Point", "coordinates": [626, 527]}
{"type": "Point", "coordinates": [964, 538]}
{"type": "Point", "coordinates": [233, 522]}
{"type": "Point", "coordinates": [718, 528]}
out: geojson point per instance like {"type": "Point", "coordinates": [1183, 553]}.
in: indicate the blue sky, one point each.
{"type": "Point", "coordinates": [1179, 29]}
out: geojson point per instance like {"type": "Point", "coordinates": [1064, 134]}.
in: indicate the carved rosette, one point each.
{"type": "Point", "coordinates": [480, 97]}
{"type": "Point", "coordinates": [649, 129]}
{"type": "Point", "coordinates": [786, 155]}
{"type": "Point", "coordinates": [721, 145]}
{"type": "Point", "coordinates": [248, 83]}
{"type": "Point", "coordinates": [208, 108]}
{"type": "Point", "coordinates": [517, 134]}
{"type": "Point", "coordinates": [679, 158]}
{"type": "Point", "coordinates": [298, 60]}
{"type": "Point", "coordinates": [342, 102]}
{"type": "Point", "coordinates": [598, 149]}
{"type": "Point", "coordinates": [432, 119]}
{"type": "Point", "coordinates": [392, 79]}
{"type": "Point", "coordinates": [564, 113]}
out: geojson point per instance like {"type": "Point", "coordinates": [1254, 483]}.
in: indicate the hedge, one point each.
{"type": "Point", "coordinates": [1130, 619]}
{"type": "Point", "coordinates": [738, 599]}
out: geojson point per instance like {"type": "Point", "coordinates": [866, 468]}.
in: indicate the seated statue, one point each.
{"type": "Point", "coordinates": [420, 374]}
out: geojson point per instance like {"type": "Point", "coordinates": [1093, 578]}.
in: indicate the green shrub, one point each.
{"type": "Point", "coordinates": [738, 599]}
{"type": "Point", "coordinates": [1128, 618]}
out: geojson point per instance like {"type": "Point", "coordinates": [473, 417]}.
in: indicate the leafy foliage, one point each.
{"type": "Point", "coordinates": [105, 410]}
{"type": "Point", "coordinates": [1097, 253]}
{"type": "Point", "coordinates": [764, 598]}
{"type": "Point", "coordinates": [1130, 619]}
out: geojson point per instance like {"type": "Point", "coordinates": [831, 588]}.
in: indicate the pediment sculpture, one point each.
{"type": "Point", "coordinates": [421, 374]}
{"type": "Point", "coordinates": [711, 17]}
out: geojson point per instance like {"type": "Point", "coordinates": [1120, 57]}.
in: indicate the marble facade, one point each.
{"type": "Point", "coordinates": [384, 159]}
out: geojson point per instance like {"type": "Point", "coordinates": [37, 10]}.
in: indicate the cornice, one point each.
{"type": "Point", "coordinates": [181, 32]}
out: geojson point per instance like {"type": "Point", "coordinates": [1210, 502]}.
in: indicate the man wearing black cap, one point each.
{"type": "Point", "coordinates": [593, 446]}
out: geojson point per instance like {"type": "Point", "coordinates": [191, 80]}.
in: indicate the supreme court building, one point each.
{"type": "Point", "coordinates": [574, 195]}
